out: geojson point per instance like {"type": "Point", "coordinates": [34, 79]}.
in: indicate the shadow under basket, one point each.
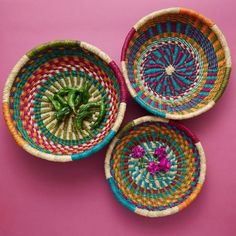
{"type": "Point", "coordinates": [43, 72]}
{"type": "Point", "coordinates": [155, 167]}
{"type": "Point", "coordinates": [176, 63]}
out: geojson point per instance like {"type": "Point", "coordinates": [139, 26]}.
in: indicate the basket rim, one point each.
{"type": "Point", "coordinates": [156, 213]}
{"type": "Point", "coordinates": [23, 60]}
{"type": "Point", "coordinates": [177, 10]}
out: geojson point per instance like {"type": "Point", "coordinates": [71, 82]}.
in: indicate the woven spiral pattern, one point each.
{"type": "Point", "coordinates": [164, 192]}
{"type": "Point", "coordinates": [48, 70]}
{"type": "Point", "coordinates": [176, 63]}
{"type": "Point", "coordinates": [172, 75]}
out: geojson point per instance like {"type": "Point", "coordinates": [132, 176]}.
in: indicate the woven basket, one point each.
{"type": "Point", "coordinates": [162, 192]}
{"type": "Point", "coordinates": [176, 63]}
{"type": "Point", "coordinates": [44, 71]}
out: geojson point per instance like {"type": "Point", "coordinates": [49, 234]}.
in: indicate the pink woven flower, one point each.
{"type": "Point", "coordinates": [153, 167]}
{"type": "Point", "coordinates": [138, 152]}
{"type": "Point", "coordinates": [160, 153]}
{"type": "Point", "coordinates": [164, 164]}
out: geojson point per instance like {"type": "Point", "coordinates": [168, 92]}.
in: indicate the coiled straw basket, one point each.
{"type": "Point", "coordinates": [45, 70]}
{"type": "Point", "coordinates": [160, 193]}
{"type": "Point", "coordinates": [176, 63]}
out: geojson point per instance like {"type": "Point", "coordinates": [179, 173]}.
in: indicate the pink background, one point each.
{"type": "Point", "coordinates": [42, 198]}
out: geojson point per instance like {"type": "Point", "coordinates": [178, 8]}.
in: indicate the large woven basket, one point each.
{"type": "Point", "coordinates": [44, 71]}
{"type": "Point", "coordinates": [176, 63]}
{"type": "Point", "coordinates": [155, 167]}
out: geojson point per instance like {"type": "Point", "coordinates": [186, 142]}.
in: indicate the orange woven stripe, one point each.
{"type": "Point", "coordinates": [11, 126]}
{"type": "Point", "coordinates": [199, 16]}
{"type": "Point", "coordinates": [191, 197]}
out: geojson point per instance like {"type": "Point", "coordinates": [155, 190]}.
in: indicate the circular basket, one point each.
{"type": "Point", "coordinates": [176, 63]}
{"type": "Point", "coordinates": [140, 180]}
{"type": "Point", "coordinates": [43, 72]}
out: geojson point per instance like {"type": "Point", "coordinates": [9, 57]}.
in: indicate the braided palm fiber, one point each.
{"type": "Point", "coordinates": [164, 193]}
{"type": "Point", "coordinates": [44, 71]}
{"type": "Point", "coordinates": [176, 63]}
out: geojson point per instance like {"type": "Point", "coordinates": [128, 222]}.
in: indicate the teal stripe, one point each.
{"type": "Point", "coordinates": [147, 107]}
{"type": "Point", "coordinates": [168, 26]}
{"type": "Point", "coordinates": [182, 78]}
{"type": "Point", "coordinates": [209, 86]}
{"type": "Point", "coordinates": [176, 86]}
{"type": "Point", "coordinates": [187, 29]}
{"type": "Point", "coordinates": [151, 32]}
{"type": "Point", "coordinates": [94, 149]}
{"type": "Point", "coordinates": [119, 197]}
{"type": "Point", "coordinates": [159, 29]}
{"type": "Point", "coordinates": [178, 27]}
{"type": "Point", "coordinates": [202, 93]}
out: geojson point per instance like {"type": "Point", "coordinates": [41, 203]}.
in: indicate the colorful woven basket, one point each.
{"type": "Point", "coordinates": [42, 72]}
{"type": "Point", "coordinates": [176, 63]}
{"type": "Point", "coordinates": [155, 167]}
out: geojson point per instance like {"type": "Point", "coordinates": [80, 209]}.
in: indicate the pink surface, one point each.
{"type": "Point", "coordinates": [42, 198]}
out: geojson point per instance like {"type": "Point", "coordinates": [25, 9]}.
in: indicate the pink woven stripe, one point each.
{"type": "Point", "coordinates": [120, 78]}
{"type": "Point", "coordinates": [126, 43]}
{"type": "Point", "coordinates": [185, 129]}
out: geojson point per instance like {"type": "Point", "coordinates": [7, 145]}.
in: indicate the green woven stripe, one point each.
{"type": "Point", "coordinates": [52, 45]}
{"type": "Point", "coordinates": [122, 132]}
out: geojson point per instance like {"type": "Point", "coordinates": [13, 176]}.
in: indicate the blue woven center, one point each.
{"type": "Point", "coordinates": [170, 69]}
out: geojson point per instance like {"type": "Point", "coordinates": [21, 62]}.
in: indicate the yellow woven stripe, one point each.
{"type": "Point", "coordinates": [11, 125]}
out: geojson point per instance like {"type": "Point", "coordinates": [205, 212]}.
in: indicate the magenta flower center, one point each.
{"type": "Point", "coordinates": [153, 167]}
{"type": "Point", "coordinates": [160, 153]}
{"type": "Point", "coordinates": [163, 165]}
{"type": "Point", "coordinates": [138, 152]}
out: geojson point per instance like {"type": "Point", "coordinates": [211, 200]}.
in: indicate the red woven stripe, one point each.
{"type": "Point", "coordinates": [121, 81]}
{"type": "Point", "coordinates": [185, 129]}
{"type": "Point", "coordinates": [126, 43]}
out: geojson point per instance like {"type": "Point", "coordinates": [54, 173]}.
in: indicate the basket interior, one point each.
{"type": "Point", "coordinates": [47, 71]}
{"type": "Point", "coordinates": [176, 63]}
{"type": "Point", "coordinates": [135, 186]}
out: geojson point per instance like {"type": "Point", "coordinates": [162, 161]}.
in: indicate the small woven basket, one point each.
{"type": "Point", "coordinates": [176, 63]}
{"type": "Point", "coordinates": [44, 71]}
{"type": "Point", "coordinates": [139, 183]}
